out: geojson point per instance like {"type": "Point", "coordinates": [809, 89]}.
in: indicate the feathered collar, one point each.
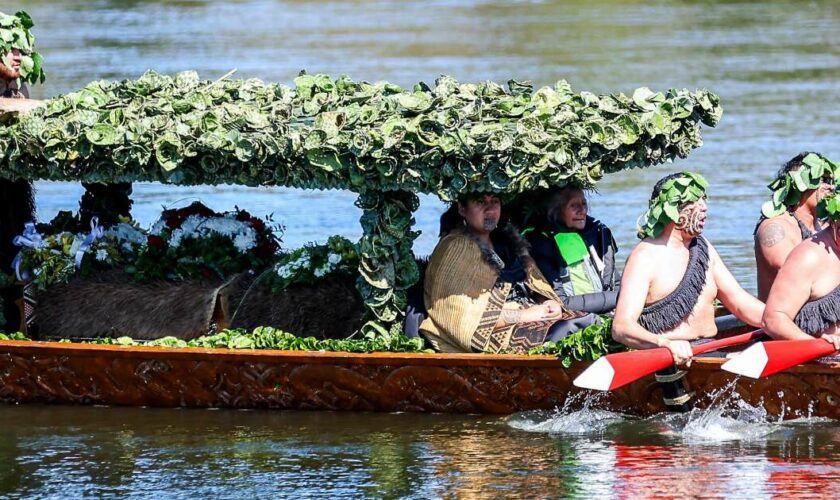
{"type": "Point", "coordinates": [503, 239]}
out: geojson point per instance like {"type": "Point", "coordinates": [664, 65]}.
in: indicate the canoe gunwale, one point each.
{"type": "Point", "coordinates": [330, 357]}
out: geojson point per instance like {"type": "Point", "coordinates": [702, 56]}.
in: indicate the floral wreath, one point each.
{"type": "Point", "coordinates": [687, 187]}
{"type": "Point", "coordinates": [788, 189]}
{"type": "Point", "coordinates": [15, 34]}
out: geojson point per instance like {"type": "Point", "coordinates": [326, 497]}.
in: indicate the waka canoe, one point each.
{"type": "Point", "coordinates": [60, 373]}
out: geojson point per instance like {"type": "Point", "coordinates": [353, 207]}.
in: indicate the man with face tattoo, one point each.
{"type": "Point", "coordinates": [673, 275]}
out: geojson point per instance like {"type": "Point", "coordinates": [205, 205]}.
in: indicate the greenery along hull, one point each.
{"type": "Point", "coordinates": [50, 372]}
{"type": "Point", "coordinates": [378, 140]}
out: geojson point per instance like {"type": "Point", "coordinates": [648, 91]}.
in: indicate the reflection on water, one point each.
{"type": "Point", "coordinates": [71, 451]}
{"type": "Point", "coordinates": [775, 64]}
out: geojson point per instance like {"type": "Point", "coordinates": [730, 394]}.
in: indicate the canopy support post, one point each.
{"type": "Point", "coordinates": [386, 261]}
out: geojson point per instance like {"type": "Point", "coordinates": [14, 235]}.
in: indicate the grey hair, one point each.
{"type": "Point", "coordinates": [558, 201]}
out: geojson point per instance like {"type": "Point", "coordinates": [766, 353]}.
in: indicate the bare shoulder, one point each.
{"type": "Point", "coordinates": [641, 257]}
{"type": "Point", "coordinates": [807, 255]}
{"type": "Point", "coordinates": [773, 231]}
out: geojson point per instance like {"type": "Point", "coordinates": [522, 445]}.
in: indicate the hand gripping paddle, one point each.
{"type": "Point", "coordinates": [616, 370]}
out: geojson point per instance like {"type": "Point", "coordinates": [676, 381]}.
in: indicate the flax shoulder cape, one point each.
{"type": "Point", "coordinates": [465, 297]}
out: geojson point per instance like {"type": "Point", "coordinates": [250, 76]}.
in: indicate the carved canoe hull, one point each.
{"type": "Point", "coordinates": [51, 372]}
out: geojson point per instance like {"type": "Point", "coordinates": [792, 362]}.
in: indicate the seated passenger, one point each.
{"type": "Point", "coordinates": [576, 253]}
{"type": "Point", "coordinates": [791, 216]}
{"type": "Point", "coordinates": [804, 301]}
{"type": "Point", "coordinates": [483, 291]}
{"type": "Point", "coordinates": [673, 275]}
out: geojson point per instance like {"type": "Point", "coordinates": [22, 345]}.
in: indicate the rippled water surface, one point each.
{"type": "Point", "coordinates": [74, 451]}
{"type": "Point", "coordinates": [776, 66]}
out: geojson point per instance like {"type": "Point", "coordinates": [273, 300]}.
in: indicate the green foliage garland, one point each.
{"type": "Point", "coordinates": [788, 189]}
{"type": "Point", "coordinates": [665, 208]}
{"type": "Point", "coordinates": [272, 338]}
{"type": "Point", "coordinates": [15, 34]}
{"type": "Point", "coordinates": [325, 133]}
{"type": "Point", "coordinates": [13, 336]}
{"type": "Point", "coordinates": [588, 344]}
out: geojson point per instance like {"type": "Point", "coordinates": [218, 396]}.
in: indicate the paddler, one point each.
{"type": "Point", "coordinates": [18, 64]}
{"type": "Point", "coordinates": [674, 274]}
{"type": "Point", "coordinates": [790, 217]}
{"type": "Point", "coordinates": [804, 301]}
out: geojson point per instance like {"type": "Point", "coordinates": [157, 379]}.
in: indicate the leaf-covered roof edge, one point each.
{"type": "Point", "coordinates": [326, 133]}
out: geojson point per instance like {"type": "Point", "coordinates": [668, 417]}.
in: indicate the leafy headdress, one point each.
{"type": "Point", "coordinates": [664, 208]}
{"type": "Point", "coordinates": [789, 187]}
{"type": "Point", "coordinates": [15, 34]}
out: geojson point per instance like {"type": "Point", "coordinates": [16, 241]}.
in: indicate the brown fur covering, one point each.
{"type": "Point", "coordinates": [329, 309]}
{"type": "Point", "coordinates": [112, 305]}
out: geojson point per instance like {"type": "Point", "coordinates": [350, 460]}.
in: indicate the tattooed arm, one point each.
{"type": "Point", "coordinates": [774, 241]}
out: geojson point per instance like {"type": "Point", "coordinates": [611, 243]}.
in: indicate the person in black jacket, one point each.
{"type": "Point", "coordinates": [575, 252]}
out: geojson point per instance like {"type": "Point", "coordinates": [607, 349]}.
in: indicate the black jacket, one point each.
{"type": "Point", "coordinates": [556, 270]}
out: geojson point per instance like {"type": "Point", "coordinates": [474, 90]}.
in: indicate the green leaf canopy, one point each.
{"type": "Point", "coordinates": [362, 137]}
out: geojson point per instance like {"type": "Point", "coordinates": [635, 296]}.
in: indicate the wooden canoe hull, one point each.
{"type": "Point", "coordinates": [51, 372]}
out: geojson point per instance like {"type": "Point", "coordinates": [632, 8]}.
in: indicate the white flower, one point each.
{"type": "Point", "coordinates": [245, 241]}
{"type": "Point", "coordinates": [175, 238]}
{"type": "Point", "coordinates": [320, 272]}
{"type": "Point", "coordinates": [158, 227]}
{"type": "Point", "coordinates": [123, 232]}
{"type": "Point", "coordinates": [334, 259]}
{"type": "Point", "coordinates": [284, 271]}
{"type": "Point", "coordinates": [102, 255]}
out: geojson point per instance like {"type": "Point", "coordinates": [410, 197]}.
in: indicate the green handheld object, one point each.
{"type": "Point", "coordinates": [571, 247]}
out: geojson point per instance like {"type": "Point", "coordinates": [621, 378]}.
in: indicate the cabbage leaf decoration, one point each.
{"type": "Point", "coordinates": [789, 188]}
{"type": "Point", "coordinates": [15, 33]}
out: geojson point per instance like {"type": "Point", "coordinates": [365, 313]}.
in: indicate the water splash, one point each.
{"type": "Point", "coordinates": [727, 418]}
{"type": "Point", "coordinates": [565, 420]}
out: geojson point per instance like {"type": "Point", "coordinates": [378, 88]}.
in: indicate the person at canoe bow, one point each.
{"type": "Point", "coordinates": [17, 195]}
{"type": "Point", "coordinates": [804, 301]}
{"type": "Point", "coordinates": [575, 252]}
{"type": "Point", "coordinates": [674, 274]}
{"type": "Point", "coordinates": [483, 291]}
{"type": "Point", "coordinates": [790, 217]}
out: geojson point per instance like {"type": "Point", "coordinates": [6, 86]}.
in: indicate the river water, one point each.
{"type": "Point", "coordinates": [776, 66]}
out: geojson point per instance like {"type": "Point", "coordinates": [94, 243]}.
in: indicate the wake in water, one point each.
{"type": "Point", "coordinates": [727, 418]}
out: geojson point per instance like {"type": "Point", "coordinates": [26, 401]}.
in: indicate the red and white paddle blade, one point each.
{"type": "Point", "coordinates": [750, 363]}
{"type": "Point", "coordinates": [598, 376]}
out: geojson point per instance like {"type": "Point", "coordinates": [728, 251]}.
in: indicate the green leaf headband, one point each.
{"type": "Point", "coordinates": [15, 34]}
{"type": "Point", "coordinates": [688, 187]}
{"type": "Point", "coordinates": [788, 190]}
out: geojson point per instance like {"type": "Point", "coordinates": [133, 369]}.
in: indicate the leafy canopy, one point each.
{"type": "Point", "coordinates": [445, 139]}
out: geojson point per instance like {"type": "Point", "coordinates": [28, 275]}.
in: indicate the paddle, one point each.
{"type": "Point", "coordinates": [616, 370]}
{"type": "Point", "coordinates": [767, 358]}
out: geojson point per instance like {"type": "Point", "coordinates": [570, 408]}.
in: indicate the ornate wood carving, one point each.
{"type": "Point", "coordinates": [47, 372]}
